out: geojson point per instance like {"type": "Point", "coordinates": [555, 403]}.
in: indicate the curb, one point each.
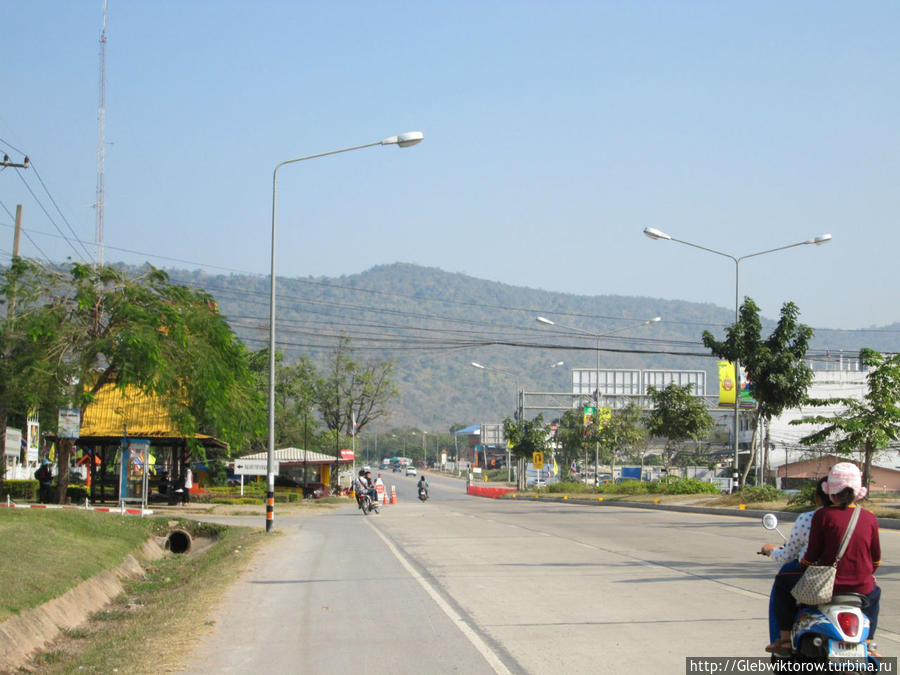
{"type": "Point", "coordinates": [787, 516]}
{"type": "Point", "coordinates": [102, 509]}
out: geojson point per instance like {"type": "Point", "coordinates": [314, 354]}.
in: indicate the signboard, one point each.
{"type": "Point", "coordinates": [347, 454]}
{"type": "Point", "coordinates": [69, 423]}
{"type": "Point", "coordinates": [253, 467]}
{"type": "Point", "coordinates": [537, 458]}
{"type": "Point", "coordinates": [133, 472]}
{"type": "Point", "coordinates": [589, 412]}
{"type": "Point", "coordinates": [33, 439]}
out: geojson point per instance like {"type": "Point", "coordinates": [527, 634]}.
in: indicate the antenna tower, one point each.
{"type": "Point", "coordinates": [101, 147]}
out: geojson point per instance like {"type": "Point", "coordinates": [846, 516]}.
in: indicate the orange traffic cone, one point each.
{"type": "Point", "coordinates": [385, 498]}
{"type": "Point", "coordinates": [393, 495]}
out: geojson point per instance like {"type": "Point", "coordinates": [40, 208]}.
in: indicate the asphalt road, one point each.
{"type": "Point", "coordinates": [472, 585]}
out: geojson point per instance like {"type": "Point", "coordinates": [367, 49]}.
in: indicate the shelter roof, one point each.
{"type": "Point", "coordinates": [474, 429]}
{"type": "Point", "coordinates": [299, 456]}
{"type": "Point", "coordinates": [116, 413]}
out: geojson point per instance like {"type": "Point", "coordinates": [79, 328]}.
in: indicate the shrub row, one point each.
{"type": "Point", "coordinates": [680, 486]}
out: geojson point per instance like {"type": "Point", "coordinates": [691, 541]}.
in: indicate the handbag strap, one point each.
{"type": "Point", "coordinates": [847, 534]}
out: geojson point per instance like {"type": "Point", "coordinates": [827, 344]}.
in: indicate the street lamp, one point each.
{"type": "Point", "coordinates": [598, 336]}
{"type": "Point", "coordinates": [404, 140]}
{"type": "Point", "coordinates": [654, 233]}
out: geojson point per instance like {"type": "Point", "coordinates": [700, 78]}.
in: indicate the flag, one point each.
{"type": "Point", "coordinates": [555, 467]}
{"type": "Point", "coordinates": [353, 427]}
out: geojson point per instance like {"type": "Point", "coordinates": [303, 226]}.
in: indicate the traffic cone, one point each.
{"type": "Point", "coordinates": [385, 498]}
{"type": "Point", "coordinates": [393, 495]}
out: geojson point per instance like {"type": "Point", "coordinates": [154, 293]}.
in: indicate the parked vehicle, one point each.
{"type": "Point", "coordinates": [832, 633]}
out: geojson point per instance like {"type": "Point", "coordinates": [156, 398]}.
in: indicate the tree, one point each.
{"type": "Point", "coordinates": [574, 443]}
{"type": "Point", "coordinates": [525, 437]}
{"type": "Point", "coordinates": [29, 331]}
{"type": "Point", "coordinates": [870, 424]}
{"type": "Point", "coordinates": [353, 392]}
{"type": "Point", "coordinates": [168, 341]}
{"type": "Point", "coordinates": [677, 416]}
{"type": "Point", "coordinates": [294, 398]}
{"type": "Point", "coordinates": [775, 367]}
{"type": "Point", "coordinates": [623, 432]}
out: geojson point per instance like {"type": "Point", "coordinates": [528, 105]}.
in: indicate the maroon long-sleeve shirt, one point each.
{"type": "Point", "coordinates": [863, 554]}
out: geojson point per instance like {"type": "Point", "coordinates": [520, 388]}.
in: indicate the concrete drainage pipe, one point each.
{"type": "Point", "coordinates": [179, 541]}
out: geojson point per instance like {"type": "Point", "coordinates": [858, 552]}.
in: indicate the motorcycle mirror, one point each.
{"type": "Point", "coordinates": [770, 521]}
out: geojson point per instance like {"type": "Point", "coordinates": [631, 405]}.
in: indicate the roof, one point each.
{"type": "Point", "coordinates": [474, 429]}
{"type": "Point", "coordinates": [116, 412]}
{"type": "Point", "coordinates": [298, 456]}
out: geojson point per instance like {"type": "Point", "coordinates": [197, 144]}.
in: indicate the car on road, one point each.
{"type": "Point", "coordinates": [410, 471]}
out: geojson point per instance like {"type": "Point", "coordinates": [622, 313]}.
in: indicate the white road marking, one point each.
{"type": "Point", "coordinates": [473, 637]}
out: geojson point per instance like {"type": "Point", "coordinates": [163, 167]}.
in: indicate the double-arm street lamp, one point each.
{"type": "Point", "coordinates": [653, 233]}
{"type": "Point", "coordinates": [598, 336]}
{"type": "Point", "coordinates": [403, 141]}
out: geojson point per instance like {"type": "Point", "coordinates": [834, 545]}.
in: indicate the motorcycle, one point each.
{"type": "Point", "coordinates": [423, 494]}
{"type": "Point", "coordinates": [831, 633]}
{"type": "Point", "coordinates": [367, 504]}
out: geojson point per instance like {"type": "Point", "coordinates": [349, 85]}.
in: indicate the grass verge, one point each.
{"type": "Point", "coordinates": [154, 623]}
{"type": "Point", "coordinates": [44, 553]}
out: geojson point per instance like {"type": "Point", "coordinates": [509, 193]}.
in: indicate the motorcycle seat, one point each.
{"type": "Point", "coordinates": [852, 599]}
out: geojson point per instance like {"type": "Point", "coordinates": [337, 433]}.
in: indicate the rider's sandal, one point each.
{"type": "Point", "coordinates": [780, 646]}
{"type": "Point", "coordinates": [870, 648]}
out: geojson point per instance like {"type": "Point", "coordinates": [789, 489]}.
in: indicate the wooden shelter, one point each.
{"type": "Point", "coordinates": [117, 414]}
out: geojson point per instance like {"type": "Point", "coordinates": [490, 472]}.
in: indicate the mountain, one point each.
{"type": "Point", "coordinates": [432, 324]}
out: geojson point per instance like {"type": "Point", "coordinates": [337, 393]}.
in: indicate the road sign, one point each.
{"type": "Point", "coordinates": [537, 459]}
{"type": "Point", "coordinates": [253, 467]}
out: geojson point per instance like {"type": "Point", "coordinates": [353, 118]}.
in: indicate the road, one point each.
{"type": "Point", "coordinates": [470, 585]}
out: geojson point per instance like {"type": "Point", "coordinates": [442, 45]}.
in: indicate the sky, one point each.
{"type": "Point", "coordinates": [555, 132]}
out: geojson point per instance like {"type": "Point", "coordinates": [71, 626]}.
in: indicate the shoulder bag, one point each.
{"type": "Point", "coordinates": [816, 586]}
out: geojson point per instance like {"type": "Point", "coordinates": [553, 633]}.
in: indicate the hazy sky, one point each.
{"type": "Point", "coordinates": [554, 133]}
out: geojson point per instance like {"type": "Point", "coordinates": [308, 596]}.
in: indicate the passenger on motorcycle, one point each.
{"type": "Point", "coordinates": [789, 555]}
{"type": "Point", "coordinates": [855, 571]}
{"type": "Point", "coordinates": [370, 487]}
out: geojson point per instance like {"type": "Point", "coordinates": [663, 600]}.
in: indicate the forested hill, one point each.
{"type": "Point", "coordinates": [432, 324]}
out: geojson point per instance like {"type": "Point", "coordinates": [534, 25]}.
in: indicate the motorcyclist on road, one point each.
{"type": "Point", "coordinates": [370, 487]}
{"type": "Point", "coordinates": [360, 486]}
{"type": "Point", "coordinates": [423, 485]}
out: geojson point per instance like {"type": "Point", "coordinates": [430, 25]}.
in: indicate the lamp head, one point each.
{"type": "Point", "coordinates": [653, 233]}
{"type": "Point", "coordinates": [404, 140]}
{"type": "Point", "coordinates": [477, 365]}
{"type": "Point", "coordinates": [542, 319]}
{"type": "Point", "coordinates": [822, 239]}
{"type": "Point", "coordinates": [655, 319]}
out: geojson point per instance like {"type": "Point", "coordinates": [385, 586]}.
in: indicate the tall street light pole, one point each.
{"type": "Point", "coordinates": [656, 234]}
{"type": "Point", "coordinates": [405, 140]}
{"type": "Point", "coordinates": [598, 336]}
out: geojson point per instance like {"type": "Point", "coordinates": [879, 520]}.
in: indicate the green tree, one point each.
{"type": "Point", "coordinates": [524, 438]}
{"type": "Point", "coordinates": [623, 433]}
{"type": "Point", "coordinates": [870, 424]}
{"type": "Point", "coordinates": [169, 341]}
{"type": "Point", "coordinates": [295, 423]}
{"type": "Point", "coordinates": [574, 443]}
{"type": "Point", "coordinates": [29, 345]}
{"type": "Point", "coordinates": [775, 367]}
{"type": "Point", "coordinates": [351, 391]}
{"type": "Point", "coordinates": [677, 416]}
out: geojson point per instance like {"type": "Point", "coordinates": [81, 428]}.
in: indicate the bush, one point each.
{"type": "Point", "coordinates": [77, 493]}
{"type": "Point", "coordinates": [568, 486]}
{"type": "Point", "coordinates": [630, 487]}
{"type": "Point", "coordinates": [760, 493]}
{"type": "Point", "coordinates": [805, 497]}
{"type": "Point", "coordinates": [690, 486]}
{"type": "Point", "coordinates": [238, 500]}
{"type": "Point", "coordinates": [20, 489]}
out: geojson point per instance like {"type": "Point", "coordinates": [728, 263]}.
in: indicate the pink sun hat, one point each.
{"type": "Point", "coordinates": [845, 475]}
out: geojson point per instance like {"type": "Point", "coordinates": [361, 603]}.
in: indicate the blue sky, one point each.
{"type": "Point", "coordinates": [554, 133]}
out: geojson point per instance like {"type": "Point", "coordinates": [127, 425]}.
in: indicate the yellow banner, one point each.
{"type": "Point", "coordinates": [726, 384]}
{"type": "Point", "coordinates": [604, 415]}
